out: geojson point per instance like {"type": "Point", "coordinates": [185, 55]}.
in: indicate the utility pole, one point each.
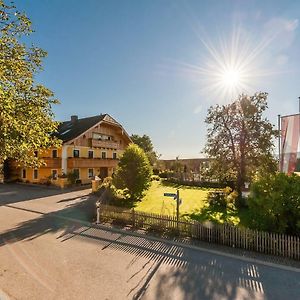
{"type": "Point", "coordinates": [177, 208]}
{"type": "Point", "coordinates": [279, 143]}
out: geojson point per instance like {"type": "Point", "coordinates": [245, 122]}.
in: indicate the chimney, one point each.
{"type": "Point", "coordinates": [74, 119]}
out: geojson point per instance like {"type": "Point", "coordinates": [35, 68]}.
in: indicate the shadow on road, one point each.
{"type": "Point", "coordinates": [14, 193]}
{"type": "Point", "coordinates": [169, 270]}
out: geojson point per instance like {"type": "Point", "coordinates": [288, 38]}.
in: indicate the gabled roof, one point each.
{"type": "Point", "coordinates": [70, 130]}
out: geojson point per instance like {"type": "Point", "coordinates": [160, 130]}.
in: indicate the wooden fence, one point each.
{"type": "Point", "coordinates": [224, 234]}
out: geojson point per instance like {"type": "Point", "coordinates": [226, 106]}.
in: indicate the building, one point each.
{"type": "Point", "coordinates": [91, 146]}
{"type": "Point", "coordinates": [190, 168]}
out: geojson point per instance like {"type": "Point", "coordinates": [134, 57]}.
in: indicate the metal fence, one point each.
{"type": "Point", "coordinates": [223, 234]}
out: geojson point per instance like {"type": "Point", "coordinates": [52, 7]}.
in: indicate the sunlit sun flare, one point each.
{"type": "Point", "coordinates": [231, 77]}
{"type": "Point", "coordinates": [230, 65]}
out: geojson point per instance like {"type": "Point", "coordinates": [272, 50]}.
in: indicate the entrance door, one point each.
{"type": "Point", "coordinates": [103, 172]}
{"type": "Point", "coordinates": [6, 170]}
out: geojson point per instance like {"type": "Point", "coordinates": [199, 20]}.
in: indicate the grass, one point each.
{"type": "Point", "coordinates": [193, 199]}
{"type": "Point", "coordinates": [194, 205]}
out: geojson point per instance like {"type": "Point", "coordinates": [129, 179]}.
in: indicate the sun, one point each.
{"type": "Point", "coordinates": [229, 66]}
{"type": "Point", "coordinates": [231, 78]}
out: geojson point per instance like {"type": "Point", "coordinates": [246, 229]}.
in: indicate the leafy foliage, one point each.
{"type": "Point", "coordinates": [133, 172]}
{"type": "Point", "coordinates": [145, 143]}
{"type": "Point", "coordinates": [275, 204]}
{"type": "Point", "coordinates": [26, 117]}
{"type": "Point", "coordinates": [240, 140]}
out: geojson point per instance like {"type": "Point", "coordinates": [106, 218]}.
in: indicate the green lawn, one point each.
{"type": "Point", "coordinates": [193, 199]}
{"type": "Point", "coordinates": [193, 205]}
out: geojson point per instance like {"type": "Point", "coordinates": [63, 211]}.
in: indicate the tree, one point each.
{"type": "Point", "coordinates": [145, 143]}
{"type": "Point", "coordinates": [274, 204]}
{"type": "Point", "coordinates": [133, 172]}
{"type": "Point", "coordinates": [240, 139]}
{"type": "Point", "coordinates": [26, 117]}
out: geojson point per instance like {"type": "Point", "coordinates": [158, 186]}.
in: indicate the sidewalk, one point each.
{"type": "Point", "coordinates": [251, 256]}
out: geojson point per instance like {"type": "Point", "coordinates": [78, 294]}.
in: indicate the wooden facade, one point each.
{"type": "Point", "coordinates": [93, 152]}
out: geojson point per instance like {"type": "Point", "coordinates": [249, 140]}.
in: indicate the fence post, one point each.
{"type": "Point", "coordinates": [133, 217]}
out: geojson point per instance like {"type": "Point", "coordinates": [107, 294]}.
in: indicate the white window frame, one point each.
{"type": "Point", "coordinates": [89, 172]}
{"type": "Point", "coordinates": [78, 153]}
{"type": "Point", "coordinates": [25, 173]}
{"type": "Point", "coordinates": [52, 174]}
{"type": "Point", "coordinates": [37, 177]}
{"type": "Point", "coordinates": [89, 154]}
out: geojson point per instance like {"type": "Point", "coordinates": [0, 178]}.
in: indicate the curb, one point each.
{"type": "Point", "coordinates": [197, 248]}
{"type": "Point", "coordinates": [175, 243]}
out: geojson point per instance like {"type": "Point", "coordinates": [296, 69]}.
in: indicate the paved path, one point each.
{"type": "Point", "coordinates": [46, 255]}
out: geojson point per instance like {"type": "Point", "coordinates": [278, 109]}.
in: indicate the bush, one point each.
{"type": "Point", "coordinates": [133, 172]}
{"type": "Point", "coordinates": [155, 177]}
{"type": "Point", "coordinates": [72, 177]}
{"type": "Point", "coordinates": [222, 198]}
{"type": "Point", "coordinates": [274, 203]}
{"type": "Point", "coordinates": [166, 174]}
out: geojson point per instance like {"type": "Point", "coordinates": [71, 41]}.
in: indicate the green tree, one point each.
{"type": "Point", "coordinates": [133, 172]}
{"type": "Point", "coordinates": [145, 143]}
{"type": "Point", "coordinates": [26, 117]}
{"type": "Point", "coordinates": [274, 204]}
{"type": "Point", "coordinates": [240, 139]}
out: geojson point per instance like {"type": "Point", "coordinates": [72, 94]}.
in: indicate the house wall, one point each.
{"type": "Point", "coordinates": [83, 163]}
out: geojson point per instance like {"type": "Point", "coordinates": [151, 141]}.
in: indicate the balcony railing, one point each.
{"type": "Point", "coordinates": [53, 163]}
{"type": "Point", "coordinates": [105, 144]}
{"type": "Point", "coordinates": [77, 162]}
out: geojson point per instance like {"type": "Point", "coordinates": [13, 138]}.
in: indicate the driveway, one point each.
{"type": "Point", "coordinates": [46, 254]}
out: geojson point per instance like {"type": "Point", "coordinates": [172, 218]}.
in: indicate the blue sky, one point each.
{"type": "Point", "coordinates": [150, 64]}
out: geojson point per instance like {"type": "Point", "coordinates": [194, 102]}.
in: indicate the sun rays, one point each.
{"type": "Point", "coordinates": [230, 65]}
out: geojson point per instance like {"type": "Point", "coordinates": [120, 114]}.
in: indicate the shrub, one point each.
{"type": "Point", "coordinates": [222, 198]}
{"type": "Point", "coordinates": [155, 177]}
{"type": "Point", "coordinates": [72, 177]}
{"type": "Point", "coordinates": [274, 203]}
{"type": "Point", "coordinates": [133, 172]}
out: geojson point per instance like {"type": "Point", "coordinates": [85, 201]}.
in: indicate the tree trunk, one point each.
{"type": "Point", "coordinates": [1, 170]}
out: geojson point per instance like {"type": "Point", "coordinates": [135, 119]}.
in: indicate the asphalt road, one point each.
{"type": "Point", "coordinates": [46, 255]}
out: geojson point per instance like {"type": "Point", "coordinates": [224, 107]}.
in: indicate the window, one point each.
{"type": "Point", "coordinates": [35, 174]}
{"type": "Point", "coordinates": [54, 153]}
{"type": "Point", "coordinates": [76, 173]}
{"type": "Point", "coordinates": [35, 154]}
{"type": "Point", "coordinates": [115, 155]}
{"type": "Point", "coordinates": [23, 173]}
{"type": "Point", "coordinates": [91, 154]}
{"type": "Point", "coordinates": [103, 154]}
{"type": "Point", "coordinates": [75, 153]}
{"type": "Point", "coordinates": [102, 137]}
{"type": "Point", "coordinates": [54, 174]}
{"type": "Point", "coordinates": [91, 173]}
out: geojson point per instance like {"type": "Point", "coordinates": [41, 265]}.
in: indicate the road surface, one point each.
{"type": "Point", "coordinates": [46, 255]}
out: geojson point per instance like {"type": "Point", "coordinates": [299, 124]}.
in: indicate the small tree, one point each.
{"type": "Point", "coordinates": [133, 172]}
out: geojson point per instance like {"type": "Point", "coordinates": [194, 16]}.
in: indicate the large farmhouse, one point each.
{"type": "Point", "coordinates": [91, 146]}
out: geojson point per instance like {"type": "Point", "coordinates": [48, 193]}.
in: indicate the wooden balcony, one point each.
{"type": "Point", "coordinates": [104, 144]}
{"type": "Point", "coordinates": [53, 163]}
{"type": "Point", "coordinates": [77, 162]}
